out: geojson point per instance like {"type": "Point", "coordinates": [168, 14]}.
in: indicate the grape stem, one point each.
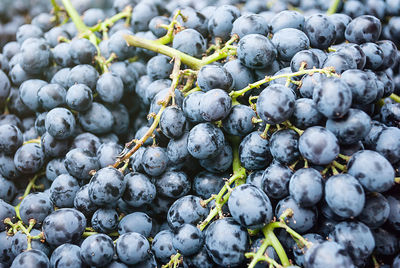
{"type": "Point", "coordinates": [397, 180]}
{"type": "Point", "coordinates": [56, 9]}
{"type": "Point", "coordinates": [176, 74]}
{"type": "Point", "coordinates": [192, 62]}
{"type": "Point", "coordinates": [169, 36]}
{"type": "Point", "coordinates": [395, 97]}
{"type": "Point", "coordinates": [239, 177]}
{"type": "Point", "coordinates": [174, 262]}
{"type": "Point", "coordinates": [27, 191]}
{"type": "Point", "coordinates": [333, 7]}
{"type": "Point", "coordinates": [102, 26]}
{"type": "Point", "coordinates": [327, 71]}
{"type": "Point", "coordinates": [38, 141]}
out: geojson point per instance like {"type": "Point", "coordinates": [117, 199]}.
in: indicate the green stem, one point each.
{"type": "Point", "coordinates": [339, 166]}
{"type": "Point", "coordinates": [126, 13]}
{"type": "Point", "coordinates": [73, 14]}
{"type": "Point", "coordinates": [395, 97]}
{"type": "Point", "coordinates": [238, 93]}
{"type": "Point", "coordinates": [27, 191]}
{"type": "Point", "coordinates": [344, 157]}
{"type": "Point", "coordinates": [292, 232]}
{"type": "Point", "coordinates": [191, 91]}
{"type": "Point", "coordinates": [138, 143]}
{"type": "Point", "coordinates": [169, 36]}
{"type": "Point", "coordinates": [397, 180]}
{"type": "Point", "coordinates": [333, 8]}
{"type": "Point", "coordinates": [174, 262]}
{"type": "Point", "coordinates": [268, 231]}
{"type": "Point", "coordinates": [190, 61]}
{"type": "Point", "coordinates": [38, 140]}
{"type": "Point", "coordinates": [56, 9]}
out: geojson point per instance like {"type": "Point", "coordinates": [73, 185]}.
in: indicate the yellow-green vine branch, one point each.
{"type": "Point", "coordinates": [103, 26]}
{"type": "Point", "coordinates": [333, 7]}
{"type": "Point", "coordinates": [190, 61]}
{"type": "Point", "coordinates": [56, 10]}
{"type": "Point", "coordinates": [328, 71]}
{"type": "Point", "coordinates": [27, 191]}
{"type": "Point", "coordinates": [174, 262]}
{"type": "Point", "coordinates": [138, 143]}
{"type": "Point", "coordinates": [395, 97]}
{"type": "Point", "coordinates": [169, 36]}
{"type": "Point", "coordinates": [239, 177]}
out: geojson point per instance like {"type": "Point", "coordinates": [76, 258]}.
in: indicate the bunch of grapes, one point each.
{"type": "Point", "coordinates": [150, 133]}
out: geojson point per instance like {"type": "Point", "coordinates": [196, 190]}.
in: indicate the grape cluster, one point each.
{"type": "Point", "coordinates": [149, 133]}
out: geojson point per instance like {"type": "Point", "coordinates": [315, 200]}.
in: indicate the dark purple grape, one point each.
{"type": "Point", "coordinates": [106, 186]}
{"type": "Point", "coordinates": [289, 41]}
{"type": "Point", "coordinates": [287, 19]}
{"type": "Point", "coordinates": [256, 51]}
{"type": "Point", "coordinates": [31, 258]}
{"type": "Point", "coordinates": [132, 248]}
{"type": "Point", "coordinates": [363, 29]}
{"type": "Point", "coordinates": [373, 170]}
{"type": "Point", "coordinates": [320, 30]}
{"type": "Point", "coordinates": [67, 255]}
{"type": "Point", "coordinates": [213, 77]}
{"type": "Point", "coordinates": [226, 242]}
{"type": "Point", "coordinates": [344, 195]}
{"type": "Point", "coordinates": [65, 225]}
{"type": "Point", "coordinates": [139, 190]}
{"type": "Point", "coordinates": [327, 254]}
{"type": "Point", "coordinates": [254, 152]}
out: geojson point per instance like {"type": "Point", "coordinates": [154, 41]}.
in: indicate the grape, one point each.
{"type": "Point", "coordinates": [340, 21]}
{"type": "Point", "coordinates": [363, 29]}
{"type": "Point", "coordinates": [344, 195]}
{"type": "Point", "coordinates": [354, 51]}
{"type": "Point", "coordinates": [138, 222]}
{"type": "Point", "coordinates": [97, 250]}
{"type": "Point", "coordinates": [186, 209]}
{"type": "Point", "coordinates": [327, 254]}
{"type": "Point", "coordinates": [221, 21]}
{"type": "Point", "coordinates": [376, 210]}
{"type": "Point", "coordinates": [372, 170]}
{"type": "Point", "coordinates": [394, 204]}
{"type": "Point", "coordinates": [10, 138]}
{"type": "Point", "coordinates": [173, 184]}
{"type": "Point", "coordinates": [250, 206]}
{"type": "Point", "coordinates": [7, 255]}
{"type": "Point", "coordinates": [303, 219]}
{"type": "Point", "coordinates": [333, 97]}
{"type": "Point", "coordinates": [206, 183]}
{"type": "Point", "coordinates": [305, 187]}
{"type": "Point", "coordinates": [98, 119]}
{"type": "Point", "coordinates": [284, 146]}
{"type": "Point", "coordinates": [320, 30]}
{"type": "Point", "coordinates": [106, 186]}
{"type": "Point", "coordinates": [250, 24]}
{"type": "Point", "coordinates": [173, 122]}
{"type": "Point", "coordinates": [154, 25]}
{"type": "Point", "coordinates": [139, 190]}
{"type": "Point", "coordinates": [373, 54]}
{"type": "Point", "coordinates": [289, 41]}
{"type": "Point", "coordinates": [66, 255]}
{"type": "Point", "coordinates": [287, 19]}
{"type": "Point", "coordinates": [188, 239]}
{"type": "Point", "coordinates": [357, 238]}
{"type": "Point", "coordinates": [205, 140]}
{"type": "Point", "coordinates": [386, 243]}
{"type": "Point", "coordinates": [110, 88]}
{"type": "Point", "coordinates": [105, 220]}
{"type": "Point", "coordinates": [79, 163]}
{"type": "Point", "coordinates": [162, 245]}
{"type": "Point", "coordinates": [60, 123]}
{"type": "Point", "coordinates": [305, 113]}
{"type": "Point", "coordinates": [51, 95]}
{"type": "Point", "coordinates": [132, 248]}
{"type": "Point", "coordinates": [64, 225]}
{"type": "Point", "coordinates": [318, 145]}
{"type": "Point", "coordinates": [31, 258]}
{"type": "Point", "coordinates": [254, 152]}
{"type": "Point", "coordinates": [19, 243]}
{"type": "Point", "coordinates": [29, 158]}
{"type": "Point", "coordinates": [226, 241]}
{"type": "Point", "coordinates": [256, 51]}
{"type": "Point", "coordinates": [211, 77]}
{"type": "Point", "coordinates": [351, 128]}
{"type": "Point", "coordinates": [275, 181]}
{"type": "Point", "coordinates": [190, 41]}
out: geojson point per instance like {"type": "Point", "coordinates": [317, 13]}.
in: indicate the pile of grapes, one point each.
{"type": "Point", "coordinates": [151, 133]}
